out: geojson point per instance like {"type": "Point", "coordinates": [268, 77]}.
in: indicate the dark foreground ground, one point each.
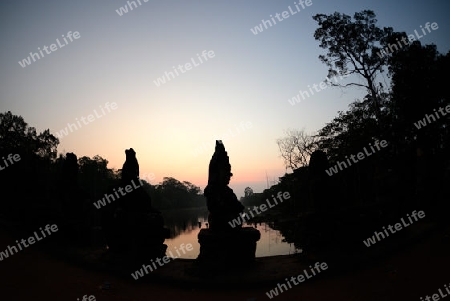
{"type": "Point", "coordinates": [416, 270]}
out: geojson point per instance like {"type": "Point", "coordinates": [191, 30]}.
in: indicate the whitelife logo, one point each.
{"type": "Point", "coordinates": [429, 117]}
{"type": "Point", "coordinates": [86, 120]}
{"type": "Point", "coordinates": [86, 298]}
{"type": "Point", "coordinates": [371, 240]}
{"type": "Point", "coordinates": [302, 277]}
{"type": "Point", "coordinates": [322, 85]}
{"type": "Point", "coordinates": [31, 240]}
{"type": "Point", "coordinates": [53, 48]}
{"type": "Point", "coordinates": [167, 75]}
{"type": "Point", "coordinates": [436, 297]}
{"type": "Point", "coordinates": [140, 273]}
{"type": "Point", "coordinates": [109, 197]}
{"type": "Point", "coordinates": [11, 158]}
{"type": "Point", "coordinates": [124, 9]}
{"type": "Point", "coordinates": [284, 15]}
{"type": "Point", "coordinates": [393, 47]}
{"type": "Point", "coordinates": [334, 169]}
{"type": "Point", "coordinates": [240, 220]}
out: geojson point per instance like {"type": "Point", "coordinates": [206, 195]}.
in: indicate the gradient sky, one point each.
{"type": "Point", "coordinates": [247, 82]}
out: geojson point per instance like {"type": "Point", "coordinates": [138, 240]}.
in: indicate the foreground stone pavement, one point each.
{"type": "Point", "coordinates": [406, 275]}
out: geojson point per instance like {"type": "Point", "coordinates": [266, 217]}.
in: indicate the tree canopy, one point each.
{"type": "Point", "coordinates": [417, 90]}
{"type": "Point", "coordinates": [352, 46]}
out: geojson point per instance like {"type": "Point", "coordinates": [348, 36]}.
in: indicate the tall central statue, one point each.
{"type": "Point", "coordinates": [222, 245]}
{"type": "Point", "coordinates": [221, 201]}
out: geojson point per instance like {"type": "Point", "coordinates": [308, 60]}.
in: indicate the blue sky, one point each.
{"type": "Point", "coordinates": [249, 80]}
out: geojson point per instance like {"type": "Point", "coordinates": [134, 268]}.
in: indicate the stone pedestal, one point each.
{"type": "Point", "coordinates": [228, 247]}
{"type": "Point", "coordinates": [146, 235]}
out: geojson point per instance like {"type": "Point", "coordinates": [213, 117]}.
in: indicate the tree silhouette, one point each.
{"type": "Point", "coordinates": [37, 153]}
{"type": "Point", "coordinates": [353, 47]}
{"type": "Point", "coordinates": [296, 147]}
{"type": "Point", "coordinates": [95, 177]}
{"type": "Point", "coordinates": [16, 135]}
{"type": "Point", "coordinates": [172, 193]}
{"type": "Point", "coordinates": [419, 66]}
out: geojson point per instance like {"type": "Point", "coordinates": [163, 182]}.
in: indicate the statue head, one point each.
{"type": "Point", "coordinates": [130, 169]}
{"type": "Point", "coordinates": [219, 166]}
{"type": "Point", "coordinates": [130, 154]}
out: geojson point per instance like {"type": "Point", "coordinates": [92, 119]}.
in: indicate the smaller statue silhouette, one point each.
{"type": "Point", "coordinates": [133, 225]}
{"type": "Point", "coordinates": [130, 169]}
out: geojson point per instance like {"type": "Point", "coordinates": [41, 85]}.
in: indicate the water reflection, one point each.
{"type": "Point", "coordinates": [184, 221]}
{"type": "Point", "coordinates": [185, 224]}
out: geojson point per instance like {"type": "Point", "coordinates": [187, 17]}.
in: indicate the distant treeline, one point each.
{"type": "Point", "coordinates": [38, 182]}
{"type": "Point", "coordinates": [173, 194]}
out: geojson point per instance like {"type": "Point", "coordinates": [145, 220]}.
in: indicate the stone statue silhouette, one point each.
{"type": "Point", "coordinates": [221, 201]}
{"type": "Point", "coordinates": [223, 245]}
{"type": "Point", "coordinates": [135, 226]}
{"type": "Point", "coordinates": [319, 182]}
{"type": "Point", "coordinates": [130, 169]}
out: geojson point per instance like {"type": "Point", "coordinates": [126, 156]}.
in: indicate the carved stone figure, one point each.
{"type": "Point", "coordinates": [222, 244]}
{"type": "Point", "coordinates": [222, 203]}
{"type": "Point", "coordinates": [132, 224]}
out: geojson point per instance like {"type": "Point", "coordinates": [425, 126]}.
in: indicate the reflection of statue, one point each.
{"type": "Point", "coordinates": [222, 203]}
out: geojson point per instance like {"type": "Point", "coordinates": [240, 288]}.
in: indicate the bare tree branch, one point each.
{"type": "Point", "coordinates": [296, 147]}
